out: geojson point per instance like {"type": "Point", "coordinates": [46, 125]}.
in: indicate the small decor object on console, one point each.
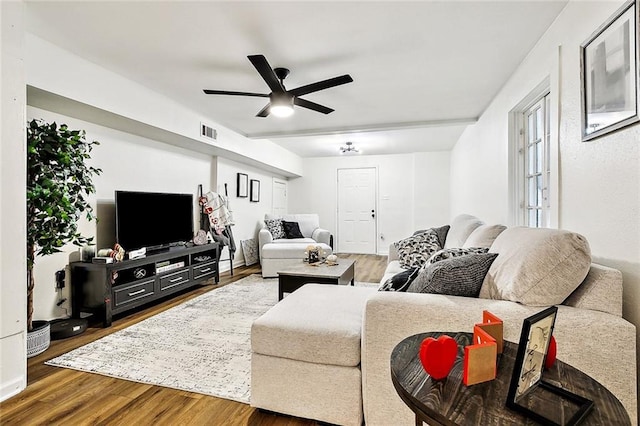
{"type": "Point", "coordinates": [332, 259]}
{"type": "Point", "coordinates": [313, 254]}
{"type": "Point", "coordinates": [200, 238]}
{"type": "Point", "coordinates": [118, 253]}
{"type": "Point", "coordinates": [492, 325]}
{"type": "Point", "coordinates": [438, 356]}
{"type": "Point", "coordinates": [480, 358]}
{"type": "Point", "coordinates": [551, 354]}
{"type": "Point", "coordinates": [535, 340]}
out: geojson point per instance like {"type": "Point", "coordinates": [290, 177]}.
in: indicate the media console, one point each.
{"type": "Point", "coordinates": [107, 289]}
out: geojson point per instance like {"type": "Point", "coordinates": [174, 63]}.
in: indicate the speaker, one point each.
{"type": "Point", "coordinates": [67, 327]}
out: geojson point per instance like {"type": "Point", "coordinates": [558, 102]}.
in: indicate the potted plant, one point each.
{"type": "Point", "coordinates": [58, 182]}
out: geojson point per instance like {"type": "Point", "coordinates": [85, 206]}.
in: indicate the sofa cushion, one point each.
{"type": "Point", "coordinates": [536, 267]}
{"type": "Point", "coordinates": [484, 236]}
{"type": "Point", "coordinates": [318, 323]}
{"type": "Point", "coordinates": [400, 281]}
{"type": "Point", "coordinates": [461, 227]}
{"type": "Point", "coordinates": [276, 228]}
{"type": "Point", "coordinates": [291, 230]}
{"type": "Point", "coordinates": [441, 232]}
{"type": "Point", "coordinates": [290, 249]}
{"type": "Point", "coordinates": [417, 249]}
{"type": "Point", "coordinates": [457, 276]}
{"type": "Point", "coordinates": [454, 252]}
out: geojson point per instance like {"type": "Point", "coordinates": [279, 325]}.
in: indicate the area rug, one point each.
{"type": "Point", "coordinates": [202, 345]}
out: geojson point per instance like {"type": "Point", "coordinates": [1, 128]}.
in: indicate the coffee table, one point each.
{"type": "Point", "coordinates": [293, 277]}
{"type": "Point", "coordinates": [450, 402]}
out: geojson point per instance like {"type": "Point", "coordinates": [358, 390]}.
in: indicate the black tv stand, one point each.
{"type": "Point", "coordinates": [106, 289]}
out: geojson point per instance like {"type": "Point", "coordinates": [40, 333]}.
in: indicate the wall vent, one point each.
{"type": "Point", "coordinates": [208, 132]}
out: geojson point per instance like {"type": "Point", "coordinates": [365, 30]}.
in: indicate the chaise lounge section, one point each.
{"type": "Point", "coordinates": [289, 340]}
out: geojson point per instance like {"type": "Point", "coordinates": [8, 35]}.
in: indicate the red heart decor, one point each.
{"type": "Point", "coordinates": [551, 354]}
{"type": "Point", "coordinates": [438, 356]}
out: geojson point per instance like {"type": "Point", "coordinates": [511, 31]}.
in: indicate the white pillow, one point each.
{"type": "Point", "coordinates": [483, 236]}
{"type": "Point", "coordinates": [536, 267]}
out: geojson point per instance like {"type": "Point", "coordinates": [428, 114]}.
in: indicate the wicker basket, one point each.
{"type": "Point", "coordinates": [38, 339]}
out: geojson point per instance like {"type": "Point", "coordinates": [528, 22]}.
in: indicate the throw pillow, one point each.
{"type": "Point", "coordinates": [461, 227]}
{"type": "Point", "coordinates": [400, 281]}
{"type": "Point", "coordinates": [537, 267]}
{"type": "Point", "coordinates": [458, 276]}
{"type": "Point", "coordinates": [275, 228]}
{"type": "Point", "coordinates": [484, 236]}
{"type": "Point", "coordinates": [441, 232]}
{"type": "Point", "coordinates": [413, 252]}
{"type": "Point", "coordinates": [292, 229]}
{"type": "Point", "coordinates": [454, 252]}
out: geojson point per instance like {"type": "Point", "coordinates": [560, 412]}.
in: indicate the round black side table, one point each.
{"type": "Point", "coordinates": [450, 402]}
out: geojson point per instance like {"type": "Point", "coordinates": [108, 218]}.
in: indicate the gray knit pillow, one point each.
{"type": "Point", "coordinates": [275, 228]}
{"type": "Point", "coordinates": [413, 252]}
{"type": "Point", "coordinates": [458, 276]}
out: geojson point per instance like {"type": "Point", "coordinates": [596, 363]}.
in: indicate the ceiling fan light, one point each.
{"type": "Point", "coordinates": [281, 110]}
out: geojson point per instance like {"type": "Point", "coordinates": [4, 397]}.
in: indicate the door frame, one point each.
{"type": "Point", "coordinates": [377, 218]}
{"type": "Point", "coordinates": [273, 193]}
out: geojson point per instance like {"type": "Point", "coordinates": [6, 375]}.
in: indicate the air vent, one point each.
{"type": "Point", "coordinates": [208, 132]}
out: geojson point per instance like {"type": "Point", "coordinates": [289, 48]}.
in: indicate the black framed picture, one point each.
{"type": "Point", "coordinates": [609, 74]}
{"type": "Point", "coordinates": [255, 191]}
{"type": "Point", "coordinates": [243, 186]}
{"type": "Point", "coordinates": [527, 385]}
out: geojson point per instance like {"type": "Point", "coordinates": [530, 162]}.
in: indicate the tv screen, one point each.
{"type": "Point", "coordinates": [153, 220]}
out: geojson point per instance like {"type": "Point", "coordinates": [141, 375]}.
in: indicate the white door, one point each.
{"type": "Point", "coordinates": [279, 197]}
{"type": "Point", "coordinates": [357, 210]}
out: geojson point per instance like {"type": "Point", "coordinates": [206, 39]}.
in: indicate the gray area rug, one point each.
{"type": "Point", "coordinates": [202, 345]}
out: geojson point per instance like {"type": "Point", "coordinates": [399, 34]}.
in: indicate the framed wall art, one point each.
{"type": "Point", "coordinates": [255, 191]}
{"type": "Point", "coordinates": [609, 74]}
{"type": "Point", "coordinates": [243, 185]}
{"type": "Point", "coordinates": [527, 385]}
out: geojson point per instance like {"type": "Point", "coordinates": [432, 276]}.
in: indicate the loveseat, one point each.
{"type": "Point", "coordinates": [279, 250]}
{"type": "Point", "coordinates": [323, 352]}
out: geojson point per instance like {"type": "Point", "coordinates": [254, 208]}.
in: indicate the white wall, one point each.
{"type": "Point", "coordinates": [599, 193]}
{"type": "Point", "coordinates": [409, 195]}
{"type": "Point", "coordinates": [13, 264]}
{"type": "Point", "coordinates": [247, 215]}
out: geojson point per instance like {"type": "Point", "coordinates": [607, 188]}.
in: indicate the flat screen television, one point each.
{"type": "Point", "coordinates": [153, 220]}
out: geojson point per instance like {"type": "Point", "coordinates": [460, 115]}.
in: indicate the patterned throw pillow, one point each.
{"type": "Point", "coordinates": [291, 229]}
{"type": "Point", "coordinates": [413, 252]}
{"type": "Point", "coordinates": [441, 232]}
{"type": "Point", "coordinates": [400, 281]}
{"type": "Point", "coordinates": [454, 252]}
{"type": "Point", "coordinates": [275, 228]}
{"type": "Point", "coordinates": [458, 276]}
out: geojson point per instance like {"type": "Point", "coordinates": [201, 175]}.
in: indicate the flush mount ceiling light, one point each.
{"type": "Point", "coordinates": [348, 148]}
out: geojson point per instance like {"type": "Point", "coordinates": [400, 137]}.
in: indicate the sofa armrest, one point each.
{"type": "Point", "coordinates": [390, 317]}
{"type": "Point", "coordinates": [601, 290]}
{"type": "Point", "coordinates": [264, 237]}
{"type": "Point", "coordinates": [321, 235]}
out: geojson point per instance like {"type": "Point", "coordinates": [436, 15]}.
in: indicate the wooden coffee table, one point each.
{"type": "Point", "coordinates": [292, 278]}
{"type": "Point", "coordinates": [450, 402]}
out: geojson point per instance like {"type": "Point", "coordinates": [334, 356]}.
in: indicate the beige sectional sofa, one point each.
{"type": "Point", "coordinates": [306, 349]}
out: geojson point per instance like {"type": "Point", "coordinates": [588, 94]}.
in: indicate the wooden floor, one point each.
{"type": "Point", "coordinates": [56, 396]}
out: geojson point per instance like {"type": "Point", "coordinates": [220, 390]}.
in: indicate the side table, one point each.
{"type": "Point", "coordinates": [450, 402]}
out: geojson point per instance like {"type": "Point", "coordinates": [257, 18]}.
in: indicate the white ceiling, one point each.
{"type": "Point", "coordinates": [422, 70]}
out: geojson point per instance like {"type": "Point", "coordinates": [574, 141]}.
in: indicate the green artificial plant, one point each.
{"type": "Point", "coordinates": [58, 183]}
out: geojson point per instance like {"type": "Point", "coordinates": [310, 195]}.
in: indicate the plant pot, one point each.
{"type": "Point", "coordinates": [38, 339]}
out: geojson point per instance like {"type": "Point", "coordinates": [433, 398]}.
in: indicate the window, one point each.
{"type": "Point", "coordinates": [534, 164]}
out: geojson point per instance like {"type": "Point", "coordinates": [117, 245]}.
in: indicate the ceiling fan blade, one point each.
{"type": "Point", "coordinates": [264, 112]}
{"type": "Point", "coordinates": [321, 85]}
{"type": "Point", "coordinates": [312, 105]}
{"type": "Point", "coordinates": [265, 70]}
{"type": "Point", "coordinates": [226, 92]}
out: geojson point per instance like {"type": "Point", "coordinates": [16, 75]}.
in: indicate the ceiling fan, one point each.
{"type": "Point", "coordinates": [281, 100]}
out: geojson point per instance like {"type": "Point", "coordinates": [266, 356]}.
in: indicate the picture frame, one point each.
{"type": "Point", "coordinates": [609, 74]}
{"type": "Point", "coordinates": [243, 185]}
{"type": "Point", "coordinates": [255, 191]}
{"type": "Point", "coordinates": [526, 380]}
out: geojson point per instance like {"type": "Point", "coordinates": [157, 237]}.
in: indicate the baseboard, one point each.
{"type": "Point", "coordinates": [12, 388]}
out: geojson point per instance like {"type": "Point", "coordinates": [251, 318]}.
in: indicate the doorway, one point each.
{"type": "Point", "coordinates": [357, 214]}
{"type": "Point", "coordinates": [279, 197]}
